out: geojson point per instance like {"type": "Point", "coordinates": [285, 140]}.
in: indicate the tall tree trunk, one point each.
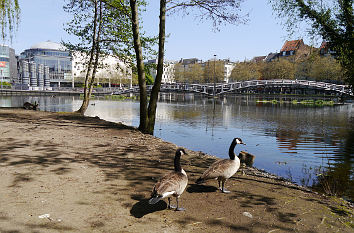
{"type": "Point", "coordinates": [140, 66]}
{"type": "Point", "coordinates": [157, 84]}
{"type": "Point", "coordinates": [97, 50]}
{"type": "Point", "coordinates": [87, 91]}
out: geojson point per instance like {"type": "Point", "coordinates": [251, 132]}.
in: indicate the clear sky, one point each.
{"type": "Point", "coordinates": [43, 20]}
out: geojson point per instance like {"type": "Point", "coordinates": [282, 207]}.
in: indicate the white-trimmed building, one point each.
{"type": "Point", "coordinates": [168, 75]}
{"type": "Point", "coordinates": [111, 68]}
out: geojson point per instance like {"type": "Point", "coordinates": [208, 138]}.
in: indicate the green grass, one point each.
{"type": "Point", "coordinates": [119, 97]}
{"type": "Point", "coordinates": [303, 102]}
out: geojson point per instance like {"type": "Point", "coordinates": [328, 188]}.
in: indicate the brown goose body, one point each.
{"type": "Point", "coordinates": [223, 169]}
{"type": "Point", "coordinates": [171, 184]}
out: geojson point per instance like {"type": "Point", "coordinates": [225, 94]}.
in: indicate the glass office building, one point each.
{"type": "Point", "coordinates": [8, 64]}
{"type": "Point", "coordinates": [54, 56]}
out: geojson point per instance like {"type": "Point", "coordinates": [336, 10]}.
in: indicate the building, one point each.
{"type": "Point", "coordinates": [294, 49]}
{"type": "Point", "coordinates": [271, 57]}
{"type": "Point", "coordinates": [325, 50]}
{"type": "Point", "coordinates": [258, 59]}
{"type": "Point", "coordinates": [46, 54]}
{"type": "Point", "coordinates": [111, 71]}
{"type": "Point", "coordinates": [8, 64]}
{"type": "Point", "coordinates": [228, 67]}
{"type": "Point", "coordinates": [168, 74]}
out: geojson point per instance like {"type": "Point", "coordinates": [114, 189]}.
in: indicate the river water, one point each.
{"type": "Point", "coordinates": [294, 141]}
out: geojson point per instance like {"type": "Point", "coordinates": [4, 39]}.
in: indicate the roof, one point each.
{"type": "Point", "coordinates": [291, 45]}
{"type": "Point", "coordinates": [324, 45]}
{"type": "Point", "coordinates": [271, 56]}
{"type": "Point", "coordinates": [258, 58]}
{"type": "Point", "coordinates": [48, 45]}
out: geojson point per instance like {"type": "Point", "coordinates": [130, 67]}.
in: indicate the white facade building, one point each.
{"type": "Point", "coordinates": [110, 68]}
{"type": "Point", "coordinates": [168, 75]}
{"type": "Point", "coordinates": [228, 67]}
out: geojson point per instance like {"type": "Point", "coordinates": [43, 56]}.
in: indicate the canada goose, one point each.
{"type": "Point", "coordinates": [171, 184]}
{"type": "Point", "coordinates": [223, 169]}
{"type": "Point", "coordinates": [30, 106]}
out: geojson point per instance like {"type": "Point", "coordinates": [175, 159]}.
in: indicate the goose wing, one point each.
{"type": "Point", "coordinates": [217, 169]}
{"type": "Point", "coordinates": [172, 183]}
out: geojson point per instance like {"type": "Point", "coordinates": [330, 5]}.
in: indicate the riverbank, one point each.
{"type": "Point", "coordinates": [61, 172]}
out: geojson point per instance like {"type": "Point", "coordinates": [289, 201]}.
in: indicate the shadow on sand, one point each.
{"type": "Point", "coordinates": [142, 208]}
{"type": "Point", "coordinates": [197, 188]}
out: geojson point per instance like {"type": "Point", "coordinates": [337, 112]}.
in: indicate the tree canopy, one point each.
{"type": "Point", "coordinates": [9, 17]}
{"type": "Point", "coordinates": [330, 19]}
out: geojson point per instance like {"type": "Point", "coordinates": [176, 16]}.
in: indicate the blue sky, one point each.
{"type": "Point", "coordinates": [43, 20]}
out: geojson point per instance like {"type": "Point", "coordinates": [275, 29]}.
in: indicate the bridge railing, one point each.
{"type": "Point", "coordinates": [227, 87]}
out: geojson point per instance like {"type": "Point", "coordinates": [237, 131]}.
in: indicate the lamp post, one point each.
{"type": "Point", "coordinates": [214, 89]}
{"type": "Point", "coordinates": [2, 78]}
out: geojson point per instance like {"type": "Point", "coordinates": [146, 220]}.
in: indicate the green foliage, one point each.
{"type": "Point", "coordinates": [214, 70]}
{"type": "Point", "coordinates": [314, 67]}
{"type": "Point", "coordinates": [332, 20]}
{"type": "Point", "coordinates": [9, 17]}
{"type": "Point", "coordinates": [120, 97]}
{"type": "Point", "coordinates": [246, 71]}
{"type": "Point", "coordinates": [279, 69]}
{"type": "Point", "coordinates": [5, 84]}
{"type": "Point", "coordinates": [311, 102]}
{"type": "Point", "coordinates": [149, 79]}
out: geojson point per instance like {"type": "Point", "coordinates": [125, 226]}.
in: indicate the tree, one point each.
{"type": "Point", "coordinates": [9, 17]}
{"type": "Point", "coordinates": [332, 20]}
{"type": "Point", "coordinates": [217, 11]}
{"type": "Point", "coordinates": [326, 69]}
{"type": "Point", "coordinates": [245, 71]}
{"type": "Point", "coordinates": [90, 12]}
{"type": "Point", "coordinates": [214, 71]}
{"type": "Point", "coordinates": [281, 69]}
{"type": "Point", "coordinates": [103, 28]}
{"type": "Point", "coordinates": [195, 73]}
{"type": "Point", "coordinates": [179, 73]}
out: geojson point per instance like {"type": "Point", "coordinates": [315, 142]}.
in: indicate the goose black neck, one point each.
{"type": "Point", "coordinates": [231, 150]}
{"type": "Point", "coordinates": [178, 163]}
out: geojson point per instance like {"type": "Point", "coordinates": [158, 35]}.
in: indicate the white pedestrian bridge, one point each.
{"type": "Point", "coordinates": [257, 85]}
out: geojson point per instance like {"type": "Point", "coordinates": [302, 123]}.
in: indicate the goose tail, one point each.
{"type": "Point", "coordinates": [199, 180]}
{"type": "Point", "coordinates": [155, 199]}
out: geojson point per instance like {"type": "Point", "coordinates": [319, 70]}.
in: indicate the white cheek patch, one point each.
{"type": "Point", "coordinates": [238, 141]}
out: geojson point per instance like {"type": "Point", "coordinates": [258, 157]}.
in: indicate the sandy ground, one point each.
{"type": "Point", "coordinates": [61, 172]}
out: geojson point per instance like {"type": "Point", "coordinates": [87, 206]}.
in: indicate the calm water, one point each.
{"type": "Point", "coordinates": [288, 140]}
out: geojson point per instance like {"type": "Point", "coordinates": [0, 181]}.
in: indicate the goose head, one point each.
{"type": "Point", "coordinates": [238, 141]}
{"type": "Point", "coordinates": [180, 152]}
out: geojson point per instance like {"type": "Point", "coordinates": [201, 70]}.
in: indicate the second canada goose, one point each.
{"type": "Point", "coordinates": [171, 184]}
{"type": "Point", "coordinates": [223, 169]}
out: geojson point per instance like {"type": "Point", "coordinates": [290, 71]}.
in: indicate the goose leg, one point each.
{"type": "Point", "coordinates": [219, 184]}
{"type": "Point", "coordinates": [169, 204]}
{"type": "Point", "coordinates": [223, 187]}
{"type": "Point", "coordinates": [179, 208]}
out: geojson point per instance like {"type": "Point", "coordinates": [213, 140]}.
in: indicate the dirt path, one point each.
{"type": "Point", "coordinates": [90, 175]}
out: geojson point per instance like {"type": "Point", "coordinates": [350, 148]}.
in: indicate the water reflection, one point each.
{"type": "Point", "coordinates": [287, 139]}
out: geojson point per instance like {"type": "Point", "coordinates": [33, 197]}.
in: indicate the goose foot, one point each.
{"type": "Point", "coordinates": [169, 204]}
{"type": "Point", "coordinates": [180, 209]}
{"type": "Point", "coordinates": [225, 191]}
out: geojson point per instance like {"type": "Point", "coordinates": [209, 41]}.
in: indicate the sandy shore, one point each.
{"type": "Point", "coordinates": [61, 172]}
